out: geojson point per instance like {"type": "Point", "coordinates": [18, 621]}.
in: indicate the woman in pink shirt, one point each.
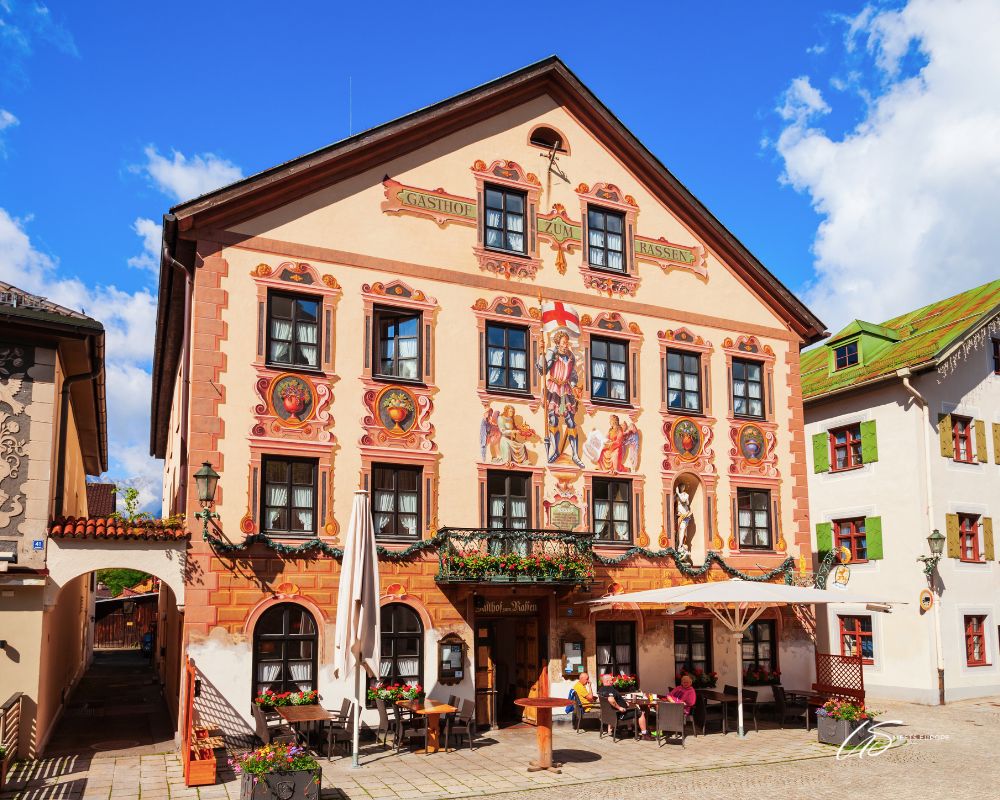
{"type": "Point", "coordinates": [684, 694]}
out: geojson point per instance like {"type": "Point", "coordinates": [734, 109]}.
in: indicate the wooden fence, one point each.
{"type": "Point", "coordinates": [10, 725]}
{"type": "Point", "coordinates": [117, 625]}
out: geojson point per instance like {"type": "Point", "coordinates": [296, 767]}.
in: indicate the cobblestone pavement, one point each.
{"type": "Point", "coordinates": [787, 761]}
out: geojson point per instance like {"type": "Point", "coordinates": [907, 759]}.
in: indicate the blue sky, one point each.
{"type": "Point", "coordinates": [798, 123]}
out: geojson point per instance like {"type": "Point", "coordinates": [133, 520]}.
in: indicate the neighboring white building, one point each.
{"type": "Point", "coordinates": [904, 421]}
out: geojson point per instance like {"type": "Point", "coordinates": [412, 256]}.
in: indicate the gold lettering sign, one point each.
{"type": "Point", "coordinates": [506, 608]}
{"type": "Point", "coordinates": [667, 254]}
{"type": "Point", "coordinates": [434, 203]}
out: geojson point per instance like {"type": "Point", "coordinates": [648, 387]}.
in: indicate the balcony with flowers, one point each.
{"type": "Point", "coordinates": [484, 555]}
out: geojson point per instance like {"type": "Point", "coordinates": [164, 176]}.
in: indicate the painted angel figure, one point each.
{"type": "Point", "coordinates": [630, 447]}
{"type": "Point", "coordinates": [489, 434]}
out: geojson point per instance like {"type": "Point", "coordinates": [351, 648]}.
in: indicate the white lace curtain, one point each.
{"type": "Point", "coordinates": [302, 675]}
{"type": "Point", "coordinates": [281, 334]}
{"type": "Point", "coordinates": [496, 359]}
{"type": "Point", "coordinates": [277, 495]}
{"type": "Point", "coordinates": [268, 673]}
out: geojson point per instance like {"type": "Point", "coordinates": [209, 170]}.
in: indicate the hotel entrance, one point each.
{"type": "Point", "coordinates": [510, 658]}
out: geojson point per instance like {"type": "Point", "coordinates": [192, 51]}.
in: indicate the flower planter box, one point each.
{"type": "Point", "coordinates": [302, 784]}
{"type": "Point", "coordinates": [838, 731]}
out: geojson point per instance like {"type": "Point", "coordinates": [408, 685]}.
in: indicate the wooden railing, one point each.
{"type": "Point", "coordinates": [10, 725]}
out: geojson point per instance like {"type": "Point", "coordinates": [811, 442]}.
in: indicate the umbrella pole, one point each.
{"type": "Point", "coordinates": [355, 761]}
{"type": "Point", "coordinates": [738, 637]}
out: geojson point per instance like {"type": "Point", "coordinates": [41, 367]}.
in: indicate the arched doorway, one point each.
{"type": "Point", "coordinates": [285, 644]}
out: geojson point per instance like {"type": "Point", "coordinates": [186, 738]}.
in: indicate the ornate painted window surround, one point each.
{"type": "Point", "coordinates": [297, 276]}
{"type": "Point", "coordinates": [778, 544]}
{"type": "Point", "coordinates": [611, 325]}
{"type": "Point", "coordinates": [301, 427]}
{"type": "Point", "coordinates": [609, 196]}
{"type": "Point", "coordinates": [510, 175]}
{"type": "Point", "coordinates": [429, 478]}
{"type": "Point", "coordinates": [537, 474]}
{"type": "Point", "coordinates": [640, 538]}
{"type": "Point", "coordinates": [399, 295]}
{"type": "Point", "coordinates": [509, 311]}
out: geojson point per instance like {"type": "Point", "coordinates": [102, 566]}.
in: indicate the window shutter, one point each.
{"type": "Point", "coordinates": [824, 538]}
{"type": "Point", "coordinates": [946, 435]}
{"type": "Point", "coordinates": [873, 537]}
{"type": "Point", "coordinates": [981, 455]}
{"type": "Point", "coordinates": [821, 452]}
{"type": "Point", "coordinates": [869, 443]}
{"type": "Point", "coordinates": [996, 442]}
{"type": "Point", "coordinates": [987, 523]}
{"type": "Point", "coordinates": [951, 524]}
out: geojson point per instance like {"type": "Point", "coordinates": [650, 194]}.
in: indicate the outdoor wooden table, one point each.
{"type": "Point", "coordinates": [543, 729]}
{"type": "Point", "coordinates": [804, 694]}
{"type": "Point", "coordinates": [433, 710]}
{"type": "Point", "coordinates": [297, 715]}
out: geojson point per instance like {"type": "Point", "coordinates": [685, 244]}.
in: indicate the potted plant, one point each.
{"type": "Point", "coordinates": [278, 772]}
{"type": "Point", "coordinates": [841, 720]}
{"type": "Point", "coordinates": [625, 683]}
{"type": "Point", "coordinates": [761, 676]}
{"type": "Point", "coordinates": [294, 397]}
{"type": "Point", "coordinates": [699, 678]}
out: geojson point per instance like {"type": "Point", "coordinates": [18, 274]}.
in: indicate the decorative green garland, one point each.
{"type": "Point", "coordinates": [786, 568]}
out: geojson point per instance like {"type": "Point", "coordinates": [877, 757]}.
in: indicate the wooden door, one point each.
{"type": "Point", "coordinates": [527, 667]}
{"type": "Point", "coordinates": [486, 690]}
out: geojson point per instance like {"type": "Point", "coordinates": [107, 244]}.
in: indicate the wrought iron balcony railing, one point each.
{"type": "Point", "coordinates": [505, 555]}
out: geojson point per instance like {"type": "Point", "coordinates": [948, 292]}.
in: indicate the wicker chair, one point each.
{"type": "Point", "coordinates": [462, 724]}
{"type": "Point", "coordinates": [385, 725]}
{"type": "Point", "coordinates": [670, 719]}
{"type": "Point", "coordinates": [610, 719]}
{"type": "Point", "coordinates": [270, 728]}
{"type": "Point", "coordinates": [703, 713]}
{"type": "Point", "coordinates": [785, 708]}
{"type": "Point", "coordinates": [408, 728]}
{"type": "Point", "coordinates": [581, 713]}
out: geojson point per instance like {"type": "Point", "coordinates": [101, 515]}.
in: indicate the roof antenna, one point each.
{"type": "Point", "coordinates": [350, 105]}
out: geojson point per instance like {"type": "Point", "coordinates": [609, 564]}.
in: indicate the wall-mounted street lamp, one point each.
{"type": "Point", "coordinates": [936, 543]}
{"type": "Point", "coordinates": [207, 481]}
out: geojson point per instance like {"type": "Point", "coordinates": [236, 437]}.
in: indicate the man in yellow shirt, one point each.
{"type": "Point", "coordinates": [584, 692]}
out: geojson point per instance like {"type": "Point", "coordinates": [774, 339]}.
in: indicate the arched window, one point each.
{"type": "Point", "coordinates": [548, 138]}
{"type": "Point", "coordinates": [284, 650]}
{"type": "Point", "coordinates": [402, 645]}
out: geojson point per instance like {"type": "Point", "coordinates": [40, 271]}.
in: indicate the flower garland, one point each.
{"type": "Point", "coordinates": [445, 536]}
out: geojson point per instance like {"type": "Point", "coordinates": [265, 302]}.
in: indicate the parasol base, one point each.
{"type": "Point", "coordinates": [534, 766]}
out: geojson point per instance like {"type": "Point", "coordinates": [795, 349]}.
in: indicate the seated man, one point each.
{"type": "Point", "coordinates": [584, 692]}
{"type": "Point", "coordinates": [619, 704]}
{"type": "Point", "coordinates": [684, 694]}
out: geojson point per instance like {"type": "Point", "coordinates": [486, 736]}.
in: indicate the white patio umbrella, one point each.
{"type": "Point", "coordinates": [737, 604]}
{"type": "Point", "coordinates": [358, 637]}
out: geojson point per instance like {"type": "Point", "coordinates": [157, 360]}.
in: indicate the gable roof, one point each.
{"type": "Point", "coordinates": [917, 340]}
{"type": "Point", "coordinates": [309, 173]}
{"type": "Point", "coordinates": [101, 499]}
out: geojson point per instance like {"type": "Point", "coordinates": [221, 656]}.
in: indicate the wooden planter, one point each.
{"type": "Point", "coordinates": [838, 731]}
{"type": "Point", "coordinates": [302, 784]}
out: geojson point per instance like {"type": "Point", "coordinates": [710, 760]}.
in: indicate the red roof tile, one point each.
{"type": "Point", "coordinates": [101, 500]}
{"type": "Point", "coordinates": [112, 528]}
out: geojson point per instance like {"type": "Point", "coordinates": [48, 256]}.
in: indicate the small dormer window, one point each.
{"type": "Point", "coordinates": [548, 138]}
{"type": "Point", "coordinates": [846, 355]}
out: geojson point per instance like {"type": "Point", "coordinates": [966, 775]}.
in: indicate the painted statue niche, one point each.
{"type": "Point", "coordinates": [560, 367]}
{"type": "Point", "coordinates": [688, 506]}
{"type": "Point", "coordinates": [617, 451]}
{"type": "Point", "coordinates": [504, 438]}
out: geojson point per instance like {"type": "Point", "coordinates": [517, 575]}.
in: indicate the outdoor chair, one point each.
{"type": "Point", "coordinates": [385, 725]}
{"type": "Point", "coordinates": [270, 728]}
{"type": "Point", "coordinates": [670, 720]}
{"type": "Point", "coordinates": [337, 731]}
{"type": "Point", "coordinates": [342, 715]}
{"type": "Point", "coordinates": [462, 724]}
{"type": "Point", "coordinates": [581, 713]}
{"type": "Point", "coordinates": [408, 728]}
{"type": "Point", "coordinates": [609, 719]}
{"type": "Point", "coordinates": [703, 713]}
{"type": "Point", "coordinates": [785, 708]}
{"type": "Point", "coordinates": [750, 704]}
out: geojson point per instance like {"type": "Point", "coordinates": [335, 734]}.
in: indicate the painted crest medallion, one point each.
{"type": "Point", "coordinates": [752, 443]}
{"type": "Point", "coordinates": [397, 410]}
{"type": "Point", "coordinates": [292, 399]}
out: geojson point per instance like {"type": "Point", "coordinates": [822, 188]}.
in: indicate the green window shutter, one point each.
{"type": "Point", "coordinates": [946, 435]}
{"type": "Point", "coordinates": [988, 538]}
{"type": "Point", "coordinates": [981, 455]}
{"type": "Point", "coordinates": [824, 538]}
{"type": "Point", "coordinates": [951, 525]}
{"type": "Point", "coordinates": [821, 452]}
{"type": "Point", "coordinates": [869, 443]}
{"type": "Point", "coordinates": [873, 537]}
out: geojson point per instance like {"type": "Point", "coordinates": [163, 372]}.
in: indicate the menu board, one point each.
{"type": "Point", "coordinates": [572, 658]}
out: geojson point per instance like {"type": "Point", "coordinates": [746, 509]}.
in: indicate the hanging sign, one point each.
{"type": "Point", "coordinates": [926, 600]}
{"type": "Point", "coordinates": [506, 608]}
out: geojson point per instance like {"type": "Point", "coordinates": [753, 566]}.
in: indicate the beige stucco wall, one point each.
{"type": "Point", "coordinates": [20, 626]}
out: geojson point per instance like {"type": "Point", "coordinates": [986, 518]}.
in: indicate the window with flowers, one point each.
{"type": "Point", "coordinates": [284, 651]}
{"type": "Point", "coordinates": [693, 650]}
{"type": "Point", "coordinates": [616, 648]}
{"type": "Point", "coordinates": [760, 653]}
{"type": "Point", "coordinates": [402, 647]}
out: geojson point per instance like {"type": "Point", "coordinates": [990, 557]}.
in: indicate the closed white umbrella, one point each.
{"type": "Point", "coordinates": [737, 604]}
{"type": "Point", "coordinates": [358, 638]}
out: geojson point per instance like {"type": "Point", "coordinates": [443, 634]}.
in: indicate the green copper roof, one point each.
{"type": "Point", "coordinates": [914, 338]}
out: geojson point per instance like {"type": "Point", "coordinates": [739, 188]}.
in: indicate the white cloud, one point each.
{"type": "Point", "coordinates": [185, 178]}
{"type": "Point", "coordinates": [129, 320]}
{"type": "Point", "coordinates": [7, 120]}
{"type": "Point", "coordinates": [149, 259]}
{"type": "Point", "coordinates": [909, 196]}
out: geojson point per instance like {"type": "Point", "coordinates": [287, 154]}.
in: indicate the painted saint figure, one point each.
{"type": "Point", "coordinates": [682, 506]}
{"type": "Point", "coordinates": [489, 435]}
{"type": "Point", "coordinates": [610, 458]}
{"type": "Point", "coordinates": [512, 449]}
{"type": "Point", "coordinates": [558, 367]}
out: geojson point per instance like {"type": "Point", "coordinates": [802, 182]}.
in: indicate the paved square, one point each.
{"type": "Point", "coordinates": [788, 762]}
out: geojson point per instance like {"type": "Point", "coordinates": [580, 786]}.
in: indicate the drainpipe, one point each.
{"type": "Point", "coordinates": [905, 374]}
{"type": "Point", "coordinates": [95, 369]}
